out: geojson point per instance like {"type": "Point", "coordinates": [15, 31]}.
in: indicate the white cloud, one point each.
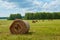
{"type": "Point", "coordinates": [4, 15]}
{"type": "Point", "coordinates": [52, 5]}
{"type": "Point", "coordinates": [35, 2]}
{"type": "Point", "coordinates": [37, 5]}
{"type": "Point", "coordinates": [7, 5]}
{"type": "Point", "coordinates": [45, 5]}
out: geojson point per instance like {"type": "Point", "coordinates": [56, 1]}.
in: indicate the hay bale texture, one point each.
{"type": "Point", "coordinates": [19, 27]}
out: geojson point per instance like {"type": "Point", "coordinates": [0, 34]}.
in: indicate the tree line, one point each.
{"type": "Point", "coordinates": [37, 15]}
{"type": "Point", "coordinates": [3, 17]}
{"type": "Point", "coordinates": [14, 16]}
{"type": "Point", "coordinates": [42, 15]}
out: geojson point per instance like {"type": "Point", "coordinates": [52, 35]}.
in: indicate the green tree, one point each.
{"type": "Point", "coordinates": [14, 16]}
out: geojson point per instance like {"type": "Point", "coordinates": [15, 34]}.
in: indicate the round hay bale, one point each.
{"type": "Point", "coordinates": [36, 20]}
{"type": "Point", "coordinates": [19, 27]}
{"type": "Point", "coordinates": [33, 21]}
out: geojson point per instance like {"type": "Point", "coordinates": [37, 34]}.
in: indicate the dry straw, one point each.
{"type": "Point", "coordinates": [19, 27]}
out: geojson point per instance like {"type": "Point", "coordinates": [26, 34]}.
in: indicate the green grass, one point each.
{"type": "Point", "coordinates": [47, 30]}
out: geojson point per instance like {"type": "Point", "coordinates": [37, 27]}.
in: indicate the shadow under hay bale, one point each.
{"type": "Point", "coordinates": [19, 27]}
{"type": "Point", "coordinates": [29, 33]}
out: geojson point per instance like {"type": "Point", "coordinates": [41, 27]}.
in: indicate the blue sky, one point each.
{"type": "Point", "coordinates": [8, 7]}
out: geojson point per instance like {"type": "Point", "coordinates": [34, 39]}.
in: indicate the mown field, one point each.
{"type": "Point", "coordinates": [47, 30]}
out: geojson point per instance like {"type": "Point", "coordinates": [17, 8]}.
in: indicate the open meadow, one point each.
{"type": "Point", "coordinates": [47, 30]}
